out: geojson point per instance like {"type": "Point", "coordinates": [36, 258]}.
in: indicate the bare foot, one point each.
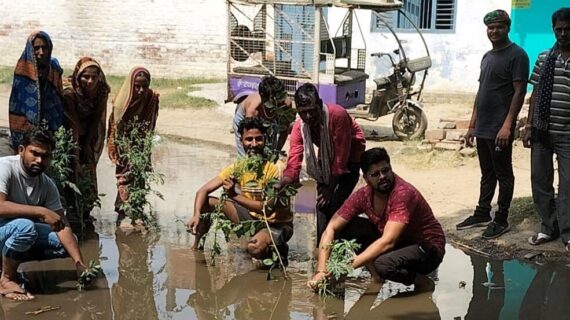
{"type": "Point", "coordinates": [13, 291]}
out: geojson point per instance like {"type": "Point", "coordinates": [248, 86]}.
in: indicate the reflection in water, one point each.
{"type": "Point", "coordinates": [246, 296]}
{"type": "Point", "coordinates": [157, 276]}
{"type": "Point", "coordinates": [54, 282]}
{"type": "Point", "coordinates": [374, 301]}
{"type": "Point", "coordinates": [488, 289]}
{"type": "Point", "coordinates": [547, 296]}
{"type": "Point", "coordinates": [133, 293]}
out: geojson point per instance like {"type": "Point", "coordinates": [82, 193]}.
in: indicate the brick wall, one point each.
{"type": "Point", "coordinates": [170, 37]}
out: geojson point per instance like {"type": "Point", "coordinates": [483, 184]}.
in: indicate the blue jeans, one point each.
{"type": "Point", "coordinates": [25, 240]}
{"type": "Point", "coordinates": [554, 213]}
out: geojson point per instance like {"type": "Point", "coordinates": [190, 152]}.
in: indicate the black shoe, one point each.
{"type": "Point", "coordinates": [495, 229]}
{"type": "Point", "coordinates": [284, 253]}
{"type": "Point", "coordinates": [473, 222]}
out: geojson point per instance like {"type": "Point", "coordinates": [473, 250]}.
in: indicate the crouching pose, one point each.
{"type": "Point", "coordinates": [246, 196]}
{"type": "Point", "coordinates": [404, 238]}
{"type": "Point", "coordinates": [32, 224]}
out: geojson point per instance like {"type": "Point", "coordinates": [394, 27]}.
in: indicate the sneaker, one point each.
{"type": "Point", "coordinates": [495, 229]}
{"type": "Point", "coordinates": [473, 222]}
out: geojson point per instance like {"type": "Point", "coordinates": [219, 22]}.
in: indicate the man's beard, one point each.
{"type": "Point", "coordinates": [254, 151]}
{"type": "Point", "coordinates": [35, 170]}
{"type": "Point", "coordinates": [385, 188]}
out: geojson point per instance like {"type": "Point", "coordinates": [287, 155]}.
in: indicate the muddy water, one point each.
{"type": "Point", "coordinates": [157, 276]}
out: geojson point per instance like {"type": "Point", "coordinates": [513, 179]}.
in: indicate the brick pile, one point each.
{"type": "Point", "coordinates": [450, 134]}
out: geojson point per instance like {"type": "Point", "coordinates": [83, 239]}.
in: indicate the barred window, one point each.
{"type": "Point", "coordinates": [430, 15]}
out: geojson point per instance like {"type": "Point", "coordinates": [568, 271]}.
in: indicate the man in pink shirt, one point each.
{"type": "Point", "coordinates": [340, 142]}
{"type": "Point", "coordinates": [401, 238]}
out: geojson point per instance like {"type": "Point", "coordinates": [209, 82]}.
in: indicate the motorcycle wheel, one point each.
{"type": "Point", "coordinates": [409, 122]}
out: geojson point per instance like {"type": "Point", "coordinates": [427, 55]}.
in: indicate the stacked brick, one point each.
{"type": "Point", "coordinates": [449, 136]}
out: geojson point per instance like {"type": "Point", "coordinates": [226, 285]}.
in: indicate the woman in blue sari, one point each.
{"type": "Point", "coordinates": [36, 91]}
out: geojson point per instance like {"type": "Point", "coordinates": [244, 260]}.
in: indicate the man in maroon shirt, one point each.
{"type": "Point", "coordinates": [340, 142]}
{"type": "Point", "coordinates": [406, 238]}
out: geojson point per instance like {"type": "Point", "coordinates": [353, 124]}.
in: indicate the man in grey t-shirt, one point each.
{"type": "Point", "coordinates": [548, 134]}
{"type": "Point", "coordinates": [32, 224]}
{"type": "Point", "coordinates": [502, 87]}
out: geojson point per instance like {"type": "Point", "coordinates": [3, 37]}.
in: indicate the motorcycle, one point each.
{"type": "Point", "coordinates": [394, 94]}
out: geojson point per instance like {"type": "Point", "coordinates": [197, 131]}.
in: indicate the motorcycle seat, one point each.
{"type": "Point", "coordinates": [382, 81]}
{"type": "Point", "coordinates": [350, 76]}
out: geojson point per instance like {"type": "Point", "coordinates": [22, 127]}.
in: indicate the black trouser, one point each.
{"type": "Point", "coordinates": [342, 190]}
{"type": "Point", "coordinates": [496, 166]}
{"type": "Point", "coordinates": [399, 265]}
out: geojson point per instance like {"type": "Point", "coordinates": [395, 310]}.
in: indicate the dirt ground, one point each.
{"type": "Point", "coordinates": [451, 187]}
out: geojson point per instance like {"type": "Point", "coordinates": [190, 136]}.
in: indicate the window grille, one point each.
{"type": "Point", "coordinates": [430, 15]}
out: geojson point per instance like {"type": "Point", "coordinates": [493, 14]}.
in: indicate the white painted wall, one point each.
{"type": "Point", "coordinates": [456, 56]}
{"type": "Point", "coordinates": [188, 37]}
{"type": "Point", "coordinates": [170, 37]}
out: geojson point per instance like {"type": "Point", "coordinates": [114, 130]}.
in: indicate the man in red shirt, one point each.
{"type": "Point", "coordinates": [405, 239]}
{"type": "Point", "coordinates": [340, 142]}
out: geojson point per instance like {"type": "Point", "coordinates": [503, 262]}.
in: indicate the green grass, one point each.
{"type": "Point", "coordinates": [522, 208]}
{"type": "Point", "coordinates": [409, 154]}
{"type": "Point", "coordinates": [6, 75]}
{"type": "Point", "coordinates": [173, 92]}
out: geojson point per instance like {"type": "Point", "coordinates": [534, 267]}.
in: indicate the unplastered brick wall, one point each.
{"type": "Point", "coordinates": [172, 38]}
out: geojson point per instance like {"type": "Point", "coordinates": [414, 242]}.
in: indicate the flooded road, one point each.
{"type": "Point", "coordinates": [157, 276]}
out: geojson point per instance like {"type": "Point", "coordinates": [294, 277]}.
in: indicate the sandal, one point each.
{"type": "Point", "coordinates": [21, 291]}
{"type": "Point", "coordinates": [539, 238]}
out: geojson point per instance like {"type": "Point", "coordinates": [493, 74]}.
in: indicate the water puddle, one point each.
{"type": "Point", "coordinates": [157, 276]}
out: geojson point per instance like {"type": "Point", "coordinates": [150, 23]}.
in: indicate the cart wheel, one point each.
{"type": "Point", "coordinates": [409, 122]}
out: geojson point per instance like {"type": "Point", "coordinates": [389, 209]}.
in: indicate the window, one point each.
{"type": "Point", "coordinates": [435, 15]}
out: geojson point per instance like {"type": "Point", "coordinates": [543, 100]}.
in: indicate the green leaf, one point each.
{"type": "Point", "coordinates": [268, 262]}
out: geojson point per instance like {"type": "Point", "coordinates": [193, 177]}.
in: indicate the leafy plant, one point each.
{"type": "Point", "coordinates": [89, 275]}
{"type": "Point", "coordinates": [62, 159]}
{"type": "Point", "coordinates": [273, 199]}
{"type": "Point", "coordinates": [339, 265]}
{"type": "Point", "coordinates": [134, 147]}
{"type": "Point", "coordinates": [77, 197]}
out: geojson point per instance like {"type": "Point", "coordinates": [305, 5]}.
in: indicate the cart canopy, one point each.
{"type": "Point", "coordinates": [376, 5]}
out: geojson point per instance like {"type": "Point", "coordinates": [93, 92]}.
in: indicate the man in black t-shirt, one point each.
{"type": "Point", "coordinates": [502, 87]}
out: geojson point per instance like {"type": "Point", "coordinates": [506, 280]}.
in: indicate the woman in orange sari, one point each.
{"type": "Point", "coordinates": [85, 112]}
{"type": "Point", "coordinates": [135, 100]}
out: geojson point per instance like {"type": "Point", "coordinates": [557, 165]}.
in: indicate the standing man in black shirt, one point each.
{"type": "Point", "coordinates": [502, 87]}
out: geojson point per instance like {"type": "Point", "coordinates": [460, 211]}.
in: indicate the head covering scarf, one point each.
{"type": "Point", "coordinates": [497, 16]}
{"type": "Point", "coordinates": [84, 115]}
{"type": "Point", "coordinates": [126, 107]}
{"type": "Point", "coordinates": [32, 102]}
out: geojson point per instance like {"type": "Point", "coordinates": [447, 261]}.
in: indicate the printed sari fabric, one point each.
{"type": "Point", "coordinates": [85, 116]}
{"type": "Point", "coordinates": [126, 108]}
{"type": "Point", "coordinates": [35, 99]}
